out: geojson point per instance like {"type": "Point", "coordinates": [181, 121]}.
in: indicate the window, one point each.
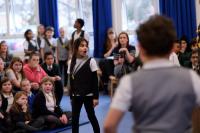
{"type": "Point", "coordinates": [70, 10]}
{"type": "Point", "coordinates": [86, 13]}
{"type": "Point", "coordinates": [16, 17]}
{"type": "Point", "coordinates": [135, 12]}
{"type": "Point", "coordinates": [3, 27]}
{"type": "Point", "coordinates": [22, 16]}
{"type": "Point", "coordinates": [67, 14]}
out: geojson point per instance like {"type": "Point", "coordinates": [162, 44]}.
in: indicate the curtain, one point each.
{"type": "Point", "coordinates": [102, 20]}
{"type": "Point", "coordinates": [48, 14]}
{"type": "Point", "coordinates": [183, 14]}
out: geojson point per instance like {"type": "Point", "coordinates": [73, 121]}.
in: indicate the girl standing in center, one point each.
{"type": "Point", "coordinates": [83, 89]}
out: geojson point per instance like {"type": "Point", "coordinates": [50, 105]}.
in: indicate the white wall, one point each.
{"type": "Point", "coordinates": [198, 11]}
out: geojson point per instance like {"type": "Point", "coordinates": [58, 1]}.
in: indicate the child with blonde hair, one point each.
{"type": "Point", "coordinates": [46, 105]}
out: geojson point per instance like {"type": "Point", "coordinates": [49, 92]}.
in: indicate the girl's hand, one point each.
{"type": "Point", "coordinates": [24, 108]}
{"type": "Point", "coordinates": [116, 62]}
{"type": "Point", "coordinates": [121, 60]}
{"type": "Point", "coordinates": [63, 119]}
{"type": "Point", "coordinates": [53, 78]}
{"type": "Point", "coordinates": [26, 122]}
{"type": "Point", "coordinates": [57, 62]}
{"type": "Point", "coordinates": [95, 102]}
{"type": "Point", "coordinates": [1, 115]}
{"type": "Point", "coordinates": [58, 78]}
{"type": "Point", "coordinates": [123, 50]}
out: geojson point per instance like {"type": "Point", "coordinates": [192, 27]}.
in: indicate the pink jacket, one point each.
{"type": "Point", "coordinates": [34, 74]}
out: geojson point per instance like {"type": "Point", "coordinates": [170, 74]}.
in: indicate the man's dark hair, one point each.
{"type": "Point", "coordinates": [26, 34]}
{"type": "Point", "coordinates": [193, 42]}
{"type": "Point", "coordinates": [177, 41]}
{"type": "Point", "coordinates": [184, 38]}
{"type": "Point", "coordinates": [2, 42]}
{"type": "Point", "coordinates": [80, 21]}
{"type": "Point", "coordinates": [157, 35]}
{"type": "Point", "coordinates": [47, 54]}
{"type": "Point", "coordinates": [49, 28]}
{"type": "Point", "coordinates": [196, 51]}
{"type": "Point", "coordinates": [34, 54]}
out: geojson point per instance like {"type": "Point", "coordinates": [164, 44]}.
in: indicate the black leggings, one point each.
{"type": "Point", "coordinates": [63, 65]}
{"type": "Point", "coordinates": [77, 103]}
{"type": "Point", "coordinates": [58, 90]}
{"type": "Point", "coordinates": [52, 121]}
{"type": "Point", "coordinates": [107, 68]}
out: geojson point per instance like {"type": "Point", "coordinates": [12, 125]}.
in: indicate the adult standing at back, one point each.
{"type": "Point", "coordinates": [161, 95]}
{"type": "Point", "coordinates": [79, 32]}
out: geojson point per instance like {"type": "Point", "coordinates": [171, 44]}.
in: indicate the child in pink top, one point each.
{"type": "Point", "coordinates": [33, 72]}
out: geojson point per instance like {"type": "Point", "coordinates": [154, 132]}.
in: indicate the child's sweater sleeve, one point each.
{"type": "Point", "coordinates": [17, 117]}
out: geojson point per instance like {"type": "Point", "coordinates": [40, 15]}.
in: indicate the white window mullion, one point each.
{"type": "Point", "coordinates": [80, 7]}
{"type": "Point", "coordinates": [37, 11]}
{"type": "Point", "coordinates": [197, 4]}
{"type": "Point", "coordinates": [125, 18]}
{"type": "Point", "coordinates": [117, 15]}
{"type": "Point", "coordinates": [7, 18]}
{"type": "Point", "coordinates": [155, 4]}
{"type": "Point", "coordinates": [77, 8]}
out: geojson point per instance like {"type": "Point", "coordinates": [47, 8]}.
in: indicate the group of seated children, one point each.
{"type": "Point", "coordinates": [32, 89]}
{"type": "Point", "coordinates": [30, 97]}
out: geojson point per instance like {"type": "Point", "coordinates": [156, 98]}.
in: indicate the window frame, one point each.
{"type": "Point", "coordinates": [155, 4]}
{"type": "Point", "coordinates": [79, 12]}
{"type": "Point", "coordinates": [8, 35]}
{"type": "Point", "coordinates": [117, 15]}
